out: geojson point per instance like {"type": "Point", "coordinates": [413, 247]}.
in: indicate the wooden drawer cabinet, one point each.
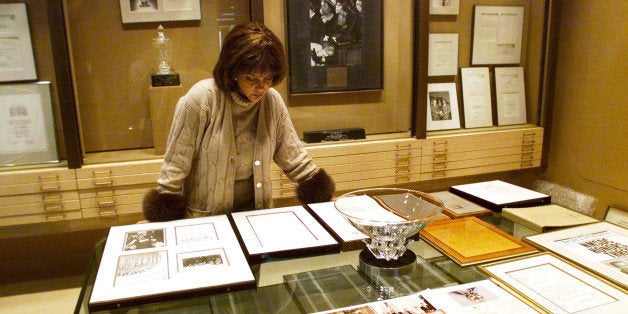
{"type": "Point", "coordinates": [355, 165]}
{"type": "Point", "coordinates": [38, 195]}
{"type": "Point", "coordinates": [107, 190]}
{"type": "Point", "coordinates": [476, 153]}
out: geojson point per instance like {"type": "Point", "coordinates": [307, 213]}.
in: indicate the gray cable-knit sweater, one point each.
{"type": "Point", "coordinates": [199, 159]}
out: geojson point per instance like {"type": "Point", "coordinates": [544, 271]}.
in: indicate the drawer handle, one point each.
{"type": "Point", "coordinates": [108, 213]}
{"type": "Point", "coordinates": [50, 177]}
{"type": "Point", "coordinates": [105, 183]}
{"type": "Point", "coordinates": [106, 203]}
{"type": "Point", "coordinates": [402, 179]}
{"type": "Point", "coordinates": [53, 207]}
{"type": "Point", "coordinates": [440, 166]}
{"type": "Point", "coordinates": [55, 217]}
{"type": "Point", "coordinates": [101, 172]}
{"type": "Point", "coordinates": [526, 164]}
{"type": "Point", "coordinates": [439, 157]}
{"type": "Point", "coordinates": [50, 188]}
{"type": "Point", "coordinates": [439, 174]}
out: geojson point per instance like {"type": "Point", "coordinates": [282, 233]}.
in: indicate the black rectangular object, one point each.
{"type": "Point", "coordinates": [334, 135]}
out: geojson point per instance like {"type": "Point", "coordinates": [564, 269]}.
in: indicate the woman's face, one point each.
{"type": "Point", "coordinates": [254, 85]}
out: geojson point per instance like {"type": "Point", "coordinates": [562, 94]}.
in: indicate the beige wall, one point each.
{"type": "Point", "coordinates": [588, 147]}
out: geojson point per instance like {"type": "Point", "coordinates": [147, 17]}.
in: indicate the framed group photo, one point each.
{"type": "Point", "coordinates": [138, 11]}
{"type": "Point", "coordinates": [335, 46]}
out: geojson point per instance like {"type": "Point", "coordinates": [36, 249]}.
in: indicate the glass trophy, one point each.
{"type": "Point", "coordinates": [163, 51]}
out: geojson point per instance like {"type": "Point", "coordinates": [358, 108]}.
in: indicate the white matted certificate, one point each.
{"type": "Point", "coordinates": [443, 55]}
{"type": "Point", "coordinates": [600, 247]}
{"type": "Point", "coordinates": [476, 96]}
{"type": "Point", "coordinates": [153, 262]}
{"type": "Point", "coordinates": [557, 285]}
{"type": "Point", "coordinates": [350, 236]}
{"type": "Point", "coordinates": [510, 95]}
{"type": "Point", "coordinates": [497, 34]}
{"type": "Point", "coordinates": [282, 231]}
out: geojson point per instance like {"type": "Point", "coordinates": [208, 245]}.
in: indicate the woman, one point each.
{"type": "Point", "coordinates": [226, 132]}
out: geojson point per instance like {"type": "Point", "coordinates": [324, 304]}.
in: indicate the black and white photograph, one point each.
{"type": "Point", "coordinates": [202, 260]}
{"type": "Point", "coordinates": [144, 239]}
{"type": "Point", "coordinates": [141, 268]}
{"type": "Point", "coordinates": [142, 11]}
{"type": "Point", "coordinates": [442, 107]}
{"type": "Point", "coordinates": [329, 45]}
{"type": "Point", "coordinates": [143, 5]}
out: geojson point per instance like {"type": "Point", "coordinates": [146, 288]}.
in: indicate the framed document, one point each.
{"type": "Point", "coordinates": [349, 237]}
{"type": "Point", "coordinates": [137, 11]}
{"type": "Point", "coordinates": [600, 247]}
{"type": "Point", "coordinates": [510, 96]}
{"type": "Point", "coordinates": [155, 262]}
{"type": "Point", "coordinates": [443, 55]}
{"type": "Point", "coordinates": [476, 97]}
{"type": "Point", "coordinates": [497, 194]}
{"type": "Point", "coordinates": [497, 35]}
{"type": "Point", "coordinates": [442, 107]}
{"type": "Point", "coordinates": [27, 124]}
{"type": "Point", "coordinates": [17, 62]}
{"type": "Point", "coordinates": [282, 232]}
{"type": "Point", "coordinates": [335, 46]}
{"type": "Point", "coordinates": [558, 286]}
{"type": "Point", "coordinates": [470, 241]}
{"type": "Point", "coordinates": [458, 207]}
{"type": "Point", "coordinates": [444, 7]}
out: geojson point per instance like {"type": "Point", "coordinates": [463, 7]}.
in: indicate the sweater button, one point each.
{"type": "Point", "coordinates": [258, 185]}
{"type": "Point", "coordinates": [257, 162]}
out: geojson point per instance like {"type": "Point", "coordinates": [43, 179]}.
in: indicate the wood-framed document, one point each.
{"type": "Point", "coordinates": [138, 11]}
{"type": "Point", "coordinates": [349, 237]}
{"type": "Point", "coordinates": [558, 286]}
{"type": "Point", "coordinates": [17, 62]}
{"type": "Point", "coordinates": [335, 46]}
{"type": "Point", "coordinates": [600, 247]}
{"type": "Point", "coordinates": [476, 97]}
{"type": "Point", "coordinates": [27, 124]}
{"type": "Point", "coordinates": [282, 232]}
{"type": "Point", "coordinates": [154, 262]}
{"type": "Point", "coordinates": [497, 194]}
{"type": "Point", "coordinates": [497, 35]}
{"type": "Point", "coordinates": [458, 207]}
{"type": "Point", "coordinates": [510, 95]}
{"type": "Point", "coordinates": [443, 55]}
{"type": "Point", "coordinates": [442, 107]}
{"type": "Point", "coordinates": [470, 241]}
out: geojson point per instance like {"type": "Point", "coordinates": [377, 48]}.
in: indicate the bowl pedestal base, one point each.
{"type": "Point", "coordinates": [372, 266]}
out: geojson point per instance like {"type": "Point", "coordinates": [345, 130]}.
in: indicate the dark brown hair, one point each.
{"type": "Point", "coordinates": [249, 47]}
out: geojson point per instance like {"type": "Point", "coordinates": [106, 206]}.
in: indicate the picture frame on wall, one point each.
{"type": "Point", "coordinates": [334, 47]}
{"type": "Point", "coordinates": [497, 35]}
{"type": "Point", "coordinates": [28, 135]}
{"type": "Point", "coordinates": [510, 95]}
{"type": "Point", "coordinates": [141, 11]}
{"type": "Point", "coordinates": [17, 60]}
{"type": "Point", "coordinates": [476, 97]}
{"type": "Point", "coordinates": [442, 107]}
{"type": "Point", "coordinates": [443, 55]}
{"type": "Point", "coordinates": [444, 7]}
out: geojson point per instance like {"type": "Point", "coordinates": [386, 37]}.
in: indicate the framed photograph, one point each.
{"type": "Point", "coordinates": [442, 107]}
{"type": "Point", "coordinates": [138, 11]}
{"type": "Point", "coordinates": [154, 262]}
{"type": "Point", "coordinates": [335, 46]}
{"type": "Point", "coordinates": [349, 236]}
{"type": "Point", "coordinates": [443, 55]}
{"type": "Point", "coordinates": [497, 35]}
{"type": "Point", "coordinates": [600, 247]}
{"type": "Point", "coordinates": [27, 124]}
{"type": "Point", "coordinates": [510, 95]}
{"type": "Point", "coordinates": [300, 233]}
{"type": "Point", "coordinates": [444, 7]}
{"type": "Point", "coordinates": [476, 97]}
{"type": "Point", "coordinates": [17, 62]}
{"type": "Point", "coordinates": [558, 286]}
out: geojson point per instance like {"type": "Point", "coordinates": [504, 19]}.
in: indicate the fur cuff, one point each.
{"type": "Point", "coordinates": [158, 206]}
{"type": "Point", "coordinates": [318, 188]}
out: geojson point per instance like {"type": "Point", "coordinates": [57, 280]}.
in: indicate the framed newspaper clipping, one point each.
{"type": "Point", "coordinates": [497, 35]}
{"type": "Point", "coordinates": [17, 62]}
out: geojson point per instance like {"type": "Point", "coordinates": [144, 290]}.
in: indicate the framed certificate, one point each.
{"type": "Point", "coordinates": [17, 62]}
{"type": "Point", "coordinates": [497, 35]}
{"type": "Point", "coordinates": [348, 235]}
{"type": "Point", "coordinates": [282, 232]}
{"type": "Point", "coordinates": [600, 247]}
{"type": "Point", "coordinates": [510, 95]}
{"type": "Point", "coordinates": [443, 55]}
{"type": "Point", "coordinates": [442, 107]}
{"type": "Point", "coordinates": [160, 261]}
{"type": "Point", "coordinates": [558, 286]}
{"type": "Point", "coordinates": [476, 97]}
{"type": "Point", "coordinates": [27, 124]}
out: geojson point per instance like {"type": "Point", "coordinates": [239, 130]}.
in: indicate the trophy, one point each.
{"type": "Point", "coordinates": [162, 47]}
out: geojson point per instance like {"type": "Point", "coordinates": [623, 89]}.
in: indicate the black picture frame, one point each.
{"type": "Point", "coordinates": [357, 60]}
